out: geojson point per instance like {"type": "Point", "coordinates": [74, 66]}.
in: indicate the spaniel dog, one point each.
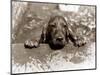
{"type": "Point", "coordinates": [56, 33]}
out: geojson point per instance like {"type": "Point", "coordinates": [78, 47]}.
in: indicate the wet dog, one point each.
{"type": "Point", "coordinates": [56, 33]}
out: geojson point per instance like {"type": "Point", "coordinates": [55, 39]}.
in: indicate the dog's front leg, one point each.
{"type": "Point", "coordinates": [35, 42]}
{"type": "Point", "coordinates": [77, 39]}
{"type": "Point", "coordinates": [32, 43]}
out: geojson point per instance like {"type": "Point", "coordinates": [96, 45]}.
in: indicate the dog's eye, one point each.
{"type": "Point", "coordinates": [64, 26]}
{"type": "Point", "coordinates": [53, 25]}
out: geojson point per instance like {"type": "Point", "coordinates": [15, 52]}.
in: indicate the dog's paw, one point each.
{"type": "Point", "coordinates": [81, 41]}
{"type": "Point", "coordinates": [31, 44]}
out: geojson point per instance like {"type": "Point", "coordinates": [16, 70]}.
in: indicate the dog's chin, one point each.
{"type": "Point", "coordinates": [56, 45]}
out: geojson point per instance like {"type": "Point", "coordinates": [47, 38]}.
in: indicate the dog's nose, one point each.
{"type": "Point", "coordinates": [59, 39]}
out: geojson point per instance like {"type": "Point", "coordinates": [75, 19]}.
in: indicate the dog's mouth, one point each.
{"type": "Point", "coordinates": [56, 44]}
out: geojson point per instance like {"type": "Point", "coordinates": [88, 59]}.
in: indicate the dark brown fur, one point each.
{"type": "Point", "coordinates": [56, 33]}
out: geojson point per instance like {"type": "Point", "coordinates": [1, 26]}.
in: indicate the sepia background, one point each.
{"type": "Point", "coordinates": [28, 20]}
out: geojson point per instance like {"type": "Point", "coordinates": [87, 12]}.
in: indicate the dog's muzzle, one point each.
{"type": "Point", "coordinates": [57, 43]}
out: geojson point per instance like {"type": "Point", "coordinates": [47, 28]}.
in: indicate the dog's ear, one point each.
{"type": "Point", "coordinates": [44, 33]}
{"type": "Point", "coordinates": [67, 29]}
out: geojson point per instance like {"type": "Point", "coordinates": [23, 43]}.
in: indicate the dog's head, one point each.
{"type": "Point", "coordinates": [57, 31]}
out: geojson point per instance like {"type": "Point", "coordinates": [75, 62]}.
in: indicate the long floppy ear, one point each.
{"type": "Point", "coordinates": [67, 27]}
{"type": "Point", "coordinates": [69, 32]}
{"type": "Point", "coordinates": [44, 33]}
{"type": "Point", "coordinates": [45, 36]}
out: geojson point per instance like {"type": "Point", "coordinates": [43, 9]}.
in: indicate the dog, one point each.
{"type": "Point", "coordinates": [56, 33]}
